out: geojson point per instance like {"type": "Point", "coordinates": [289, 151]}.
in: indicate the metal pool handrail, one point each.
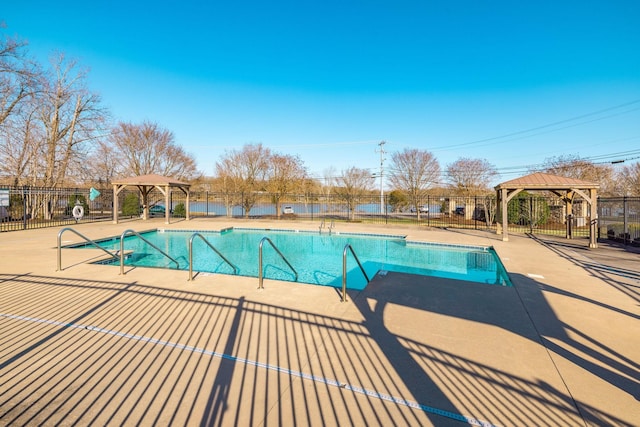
{"type": "Point", "coordinates": [88, 240]}
{"type": "Point", "coordinates": [194, 235]}
{"type": "Point", "coordinates": [330, 227]}
{"type": "Point", "coordinates": [260, 279]}
{"type": "Point", "coordinates": [129, 231]}
{"type": "Point", "coordinates": [344, 270]}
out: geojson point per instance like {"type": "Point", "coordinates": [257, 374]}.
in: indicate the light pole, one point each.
{"type": "Point", "coordinates": [382, 209]}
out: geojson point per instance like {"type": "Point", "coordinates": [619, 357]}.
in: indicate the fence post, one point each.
{"type": "Point", "coordinates": [625, 227]}
{"type": "Point", "coordinates": [24, 207]}
{"type": "Point", "coordinates": [386, 211]}
{"type": "Point", "coordinates": [473, 214]}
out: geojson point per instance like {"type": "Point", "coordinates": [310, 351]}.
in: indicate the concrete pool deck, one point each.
{"type": "Point", "coordinates": [87, 346]}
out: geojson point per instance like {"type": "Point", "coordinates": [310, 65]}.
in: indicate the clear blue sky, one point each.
{"type": "Point", "coordinates": [511, 82]}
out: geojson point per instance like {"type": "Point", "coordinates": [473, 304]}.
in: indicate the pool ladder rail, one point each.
{"type": "Point", "coordinates": [116, 255]}
{"type": "Point", "coordinates": [130, 231]}
{"type": "Point", "coordinates": [88, 240]}
{"type": "Point", "coordinates": [348, 247]}
{"type": "Point", "coordinates": [330, 227]}
{"type": "Point", "coordinates": [120, 254]}
{"type": "Point", "coordinates": [193, 236]}
{"type": "Point", "coordinates": [260, 273]}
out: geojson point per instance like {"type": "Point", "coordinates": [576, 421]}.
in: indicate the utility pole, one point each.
{"type": "Point", "coordinates": [382, 152]}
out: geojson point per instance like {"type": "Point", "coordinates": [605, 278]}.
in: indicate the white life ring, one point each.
{"type": "Point", "coordinates": [78, 212]}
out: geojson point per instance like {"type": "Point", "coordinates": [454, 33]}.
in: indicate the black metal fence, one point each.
{"type": "Point", "coordinates": [619, 218]}
{"type": "Point", "coordinates": [23, 208]}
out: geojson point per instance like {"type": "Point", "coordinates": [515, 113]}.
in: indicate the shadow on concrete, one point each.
{"type": "Point", "coordinates": [506, 308]}
{"type": "Point", "coordinates": [99, 352]}
{"type": "Point", "coordinates": [616, 265]}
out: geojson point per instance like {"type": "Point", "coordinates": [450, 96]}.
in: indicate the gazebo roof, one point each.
{"type": "Point", "coordinates": [151, 179]}
{"type": "Point", "coordinates": [545, 181]}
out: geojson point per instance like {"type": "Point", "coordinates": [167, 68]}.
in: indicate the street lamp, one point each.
{"type": "Point", "coordinates": [382, 152]}
{"type": "Point", "coordinates": [382, 209]}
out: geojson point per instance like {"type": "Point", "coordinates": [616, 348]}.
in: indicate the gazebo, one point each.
{"type": "Point", "coordinates": [563, 187]}
{"type": "Point", "coordinates": [146, 183]}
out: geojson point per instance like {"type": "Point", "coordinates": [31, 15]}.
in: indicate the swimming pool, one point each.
{"type": "Point", "coordinates": [316, 257]}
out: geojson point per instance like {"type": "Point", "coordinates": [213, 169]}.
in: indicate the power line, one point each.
{"type": "Point", "coordinates": [610, 158]}
{"type": "Point", "coordinates": [626, 104]}
{"type": "Point", "coordinates": [301, 145]}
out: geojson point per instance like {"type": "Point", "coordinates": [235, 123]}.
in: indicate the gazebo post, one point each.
{"type": "Point", "coordinates": [167, 207]}
{"type": "Point", "coordinates": [593, 218]}
{"type": "Point", "coordinates": [188, 204]}
{"type": "Point", "coordinates": [115, 203]}
{"type": "Point", "coordinates": [505, 216]}
{"type": "Point", "coordinates": [568, 203]}
{"type": "Point", "coordinates": [498, 212]}
{"type": "Point", "coordinates": [145, 200]}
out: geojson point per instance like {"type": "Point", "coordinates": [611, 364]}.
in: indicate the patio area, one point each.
{"type": "Point", "coordinates": [87, 346]}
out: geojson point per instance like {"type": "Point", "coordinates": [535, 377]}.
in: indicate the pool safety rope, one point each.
{"type": "Point", "coordinates": [293, 373]}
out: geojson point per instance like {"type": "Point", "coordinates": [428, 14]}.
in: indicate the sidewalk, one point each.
{"type": "Point", "coordinates": [86, 345]}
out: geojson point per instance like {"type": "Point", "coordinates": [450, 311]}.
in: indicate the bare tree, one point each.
{"type": "Point", "coordinates": [18, 76]}
{"type": "Point", "coordinates": [229, 182]}
{"type": "Point", "coordinates": [286, 173]}
{"type": "Point", "coordinates": [19, 129]}
{"type": "Point", "coordinates": [247, 170]}
{"type": "Point", "coordinates": [414, 171]}
{"type": "Point", "coordinates": [572, 166]}
{"type": "Point", "coordinates": [629, 180]}
{"type": "Point", "coordinates": [329, 178]}
{"type": "Point", "coordinates": [149, 149]}
{"type": "Point", "coordinates": [70, 116]}
{"type": "Point", "coordinates": [351, 185]}
{"type": "Point", "coordinates": [490, 203]}
{"type": "Point", "coordinates": [47, 133]}
{"type": "Point", "coordinates": [48, 119]}
{"type": "Point", "coordinates": [310, 189]}
{"type": "Point", "coordinates": [60, 121]}
{"type": "Point", "coordinates": [19, 147]}
{"type": "Point", "coordinates": [104, 164]}
{"type": "Point", "coordinates": [470, 176]}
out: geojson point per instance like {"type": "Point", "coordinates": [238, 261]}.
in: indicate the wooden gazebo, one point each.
{"type": "Point", "coordinates": [563, 187]}
{"type": "Point", "coordinates": [146, 183]}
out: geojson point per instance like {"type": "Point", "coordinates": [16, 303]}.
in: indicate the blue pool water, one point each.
{"type": "Point", "coordinates": [316, 257]}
